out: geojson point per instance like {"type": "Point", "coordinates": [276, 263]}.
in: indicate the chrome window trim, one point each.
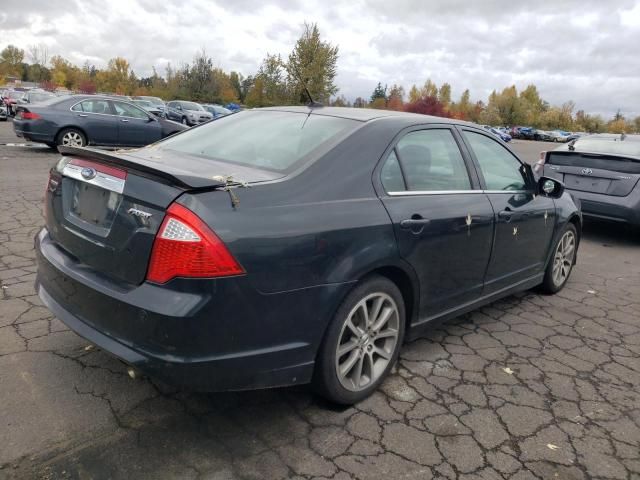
{"type": "Point", "coordinates": [102, 180]}
{"type": "Point", "coordinates": [90, 113]}
{"type": "Point", "coordinates": [409, 193]}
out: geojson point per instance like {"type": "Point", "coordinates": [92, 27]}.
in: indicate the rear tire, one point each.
{"type": "Point", "coordinates": [71, 137]}
{"type": "Point", "coordinates": [561, 263]}
{"type": "Point", "coordinates": [362, 342]}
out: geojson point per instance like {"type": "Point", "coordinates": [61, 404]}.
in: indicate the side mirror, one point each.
{"type": "Point", "coordinates": [179, 107]}
{"type": "Point", "coordinates": [550, 187]}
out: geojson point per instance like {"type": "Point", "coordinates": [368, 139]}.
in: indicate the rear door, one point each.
{"type": "Point", "coordinates": [96, 118]}
{"type": "Point", "coordinates": [524, 221]}
{"type": "Point", "coordinates": [135, 126]}
{"type": "Point", "coordinates": [443, 222]}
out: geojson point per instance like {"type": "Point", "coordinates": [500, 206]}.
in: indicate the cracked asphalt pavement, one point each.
{"type": "Point", "coordinates": [530, 387]}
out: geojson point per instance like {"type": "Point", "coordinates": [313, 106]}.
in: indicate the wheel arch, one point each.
{"type": "Point", "coordinates": [74, 127]}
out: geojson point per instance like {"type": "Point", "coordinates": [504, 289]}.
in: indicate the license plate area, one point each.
{"type": "Point", "coordinates": [587, 184]}
{"type": "Point", "coordinates": [92, 209]}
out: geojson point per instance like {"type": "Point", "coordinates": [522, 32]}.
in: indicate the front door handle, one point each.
{"type": "Point", "coordinates": [83, 115]}
{"type": "Point", "coordinates": [124, 120]}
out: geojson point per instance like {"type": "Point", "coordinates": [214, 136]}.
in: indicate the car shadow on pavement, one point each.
{"type": "Point", "coordinates": [609, 233]}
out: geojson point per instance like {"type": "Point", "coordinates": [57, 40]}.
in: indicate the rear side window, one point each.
{"type": "Point", "coordinates": [270, 140]}
{"type": "Point", "coordinates": [391, 175]}
{"type": "Point", "coordinates": [430, 161]}
{"type": "Point", "coordinates": [500, 169]}
{"type": "Point", "coordinates": [93, 106]}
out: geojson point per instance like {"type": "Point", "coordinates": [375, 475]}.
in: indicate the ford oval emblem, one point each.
{"type": "Point", "coordinates": [88, 173]}
{"type": "Point", "coordinates": [587, 171]}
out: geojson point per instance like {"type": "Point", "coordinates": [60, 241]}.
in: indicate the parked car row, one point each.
{"type": "Point", "coordinates": [530, 133]}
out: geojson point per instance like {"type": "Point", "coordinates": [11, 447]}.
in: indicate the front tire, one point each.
{"type": "Point", "coordinates": [185, 121]}
{"type": "Point", "coordinates": [71, 137]}
{"type": "Point", "coordinates": [362, 342]}
{"type": "Point", "coordinates": [561, 264]}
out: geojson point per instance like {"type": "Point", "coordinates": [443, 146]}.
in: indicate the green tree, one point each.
{"type": "Point", "coordinates": [312, 63]}
{"type": "Point", "coordinates": [379, 93]}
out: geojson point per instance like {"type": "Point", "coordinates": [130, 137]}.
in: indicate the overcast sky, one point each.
{"type": "Point", "coordinates": [583, 50]}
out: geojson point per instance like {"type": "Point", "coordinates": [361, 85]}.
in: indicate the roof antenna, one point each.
{"type": "Point", "coordinates": [312, 103]}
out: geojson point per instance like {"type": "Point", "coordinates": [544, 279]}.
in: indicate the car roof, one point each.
{"type": "Point", "coordinates": [368, 114]}
{"type": "Point", "coordinates": [605, 143]}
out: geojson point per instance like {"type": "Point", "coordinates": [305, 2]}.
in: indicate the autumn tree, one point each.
{"type": "Point", "coordinates": [11, 60]}
{"type": "Point", "coordinates": [395, 99]}
{"type": "Point", "coordinates": [312, 63]}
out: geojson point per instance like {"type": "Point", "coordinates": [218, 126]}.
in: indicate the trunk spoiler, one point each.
{"type": "Point", "coordinates": [192, 172]}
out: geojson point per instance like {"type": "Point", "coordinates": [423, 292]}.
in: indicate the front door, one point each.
{"type": "Point", "coordinates": [524, 221]}
{"type": "Point", "coordinates": [443, 222]}
{"type": "Point", "coordinates": [135, 126]}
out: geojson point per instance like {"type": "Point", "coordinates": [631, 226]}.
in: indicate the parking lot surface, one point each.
{"type": "Point", "coordinates": [533, 386]}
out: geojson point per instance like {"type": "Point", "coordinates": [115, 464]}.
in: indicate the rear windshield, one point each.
{"type": "Point", "coordinates": [602, 162]}
{"type": "Point", "coordinates": [271, 140]}
{"type": "Point", "coordinates": [628, 146]}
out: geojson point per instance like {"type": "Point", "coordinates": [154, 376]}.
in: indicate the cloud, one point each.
{"type": "Point", "coordinates": [580, 50]}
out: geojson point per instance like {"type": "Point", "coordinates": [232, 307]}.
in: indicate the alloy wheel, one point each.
{"type": "Point", "coordinates": [72, 139]}
{"type": "Point", "coordinates": [367, 341]}
{"type": "Point", "coordinates": [563, 258]}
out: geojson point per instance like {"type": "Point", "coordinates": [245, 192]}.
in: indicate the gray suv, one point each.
{"type": "Point", "coordinates": [602, 171]}
{"type": "Point", "coordinates": [187, 113]}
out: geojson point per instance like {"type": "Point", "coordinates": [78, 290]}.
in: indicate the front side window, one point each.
{"type": "Point", "coordinates": [430, 161]}
{"type": "Point", "coordinates": [500, 169]}
{"type": "Point", "coordinates": [128, 110]}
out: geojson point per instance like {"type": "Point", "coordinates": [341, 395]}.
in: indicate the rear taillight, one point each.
{"type": "Point", "coordinates": [30, 116]}
{"type": "Point", "coordinates": [539, 165]}
{"type": "Point", "coordinates": [186, 247]}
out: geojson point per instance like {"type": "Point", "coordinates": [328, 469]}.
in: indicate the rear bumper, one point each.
{"type": "Point", "coordinates": [620, 209]}
{"type": "Point", "coordinates": [215, 335]}
{"type": "Point", "coordinates": [31, 130]}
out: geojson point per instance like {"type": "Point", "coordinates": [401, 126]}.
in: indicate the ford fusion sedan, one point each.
{"type": "Point", "coordinates": [603, 172]}
{"type": "Point", "coordinates": [78, 120]}
{"type": "Point", "coordinates": [289, 245]}
{"type": "Point", "coordinates": [187, 113]}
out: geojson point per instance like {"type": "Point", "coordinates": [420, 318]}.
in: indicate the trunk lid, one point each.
{"type": "Point", "coordinates": [105, 208]}
{"type": "Point", "coordinates": [595, 172]}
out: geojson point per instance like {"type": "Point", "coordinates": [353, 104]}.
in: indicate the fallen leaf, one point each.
{"type": "Point", "coordinates": [508, 370]}
{"type": "Point", "coordinates": [88, 347]}
{"type": "Point", "coordinates": [551, 446]}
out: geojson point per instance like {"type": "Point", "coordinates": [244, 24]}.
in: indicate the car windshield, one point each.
{"type": "Point", "coordinates": [190, 106]}
{"type": "Point", "coordinates": [613, 145]}
{"type": "Point", "coordinates": [270, 140]}
{"type": "Point", "coordinates": [15, 95]}
{"type": "Point", "coordinates": [153, 100]}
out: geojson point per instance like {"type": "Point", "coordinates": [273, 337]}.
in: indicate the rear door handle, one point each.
{"type": "Point", "coordinates": [416, 224]}
{"type": "Point", "coordinates": [124, 120]}
{"type": "Point", "coordinates": [83, 115]}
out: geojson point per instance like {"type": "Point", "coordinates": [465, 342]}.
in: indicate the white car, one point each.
{"type": "Point", "coordinates": [557, 136]}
